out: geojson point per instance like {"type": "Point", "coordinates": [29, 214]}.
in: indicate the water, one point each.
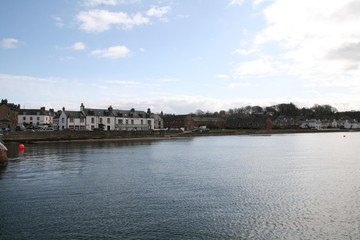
{"type": "Point", "coordinates": [301, 186]}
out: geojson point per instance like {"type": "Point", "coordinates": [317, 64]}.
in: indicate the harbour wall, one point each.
{"type": "Point", "coordinates": [25, 137]}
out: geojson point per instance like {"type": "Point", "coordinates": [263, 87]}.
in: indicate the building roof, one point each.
{"type": "Point", "coordinates": [168, 118]}
{"type": "Point", "coordinates": [12, 106]}
{"type": "Point", "coordinates": [115, 113]}
{"type": "Point", "coordinates": [208, 119]}
{"type": "Point", "coordinates": [40, 111]}
{"type": "Point", "coordinates": [74, 114]}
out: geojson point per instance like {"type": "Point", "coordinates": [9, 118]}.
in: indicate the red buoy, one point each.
{"type": "Point", "coordinates": [21, 147]}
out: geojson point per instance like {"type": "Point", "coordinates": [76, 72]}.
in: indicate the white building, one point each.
{"type": "Point", "coordinates": [72, 119]}
{"type": "Point", "coordinates": [110, 119]}
{"type": "Point", "coordinates": [36, 117]}
{"type": "Point", "coordinates": [133, 120]}
{"type": "Point", "coordinates": [348, 124]}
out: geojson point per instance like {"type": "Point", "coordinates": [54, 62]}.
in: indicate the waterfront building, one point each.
{"type": "Point", "coordinates": [74, 120]}
{"type": "Point", "coordinates": [8, 114]}
{"type": "Point", "coordinates": [133, 120]}
{"type": "Point", "coordinates": [36, 117]}
{"type": "Point", "coordinates": [185, 122]}
{"type": "Point", "coordinates": [211, 122]}
{"type": "Point", "coordinates": [158, 121]}
{"type": "Point", "coordinates": [106, 119]}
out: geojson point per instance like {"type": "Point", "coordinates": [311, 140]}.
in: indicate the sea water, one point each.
{"type": "Point", "coordinates": [296, 186]}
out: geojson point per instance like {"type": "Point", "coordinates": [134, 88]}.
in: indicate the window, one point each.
{"type": "Point", "coordinates": [31, 118]}
{"type": "Point", "coordinates": [101, 120]}
{"type": "Point", "coordinates": [71, 120]}
{"type": "Point", "coordinates": [81, 120]}
{"type": "Point", "coordinates": [38, 118]}
{"type": "Point", "coordinates": [142, 121]}
{"type": "Point", "coordinates": [127, 121]}
{"type": "Point", "coordinates": [108, 120]}
{"type": "Point", "coordinates": [62, 120]}
{"type": "Point", "coordinates": [92, 127]}
{"type": "Point", "coordinates": [132, 121]}
{"type": "Point", "coordinates": [92, 121]}
{"type": "Point", "coordinates": [120, 121]}
{"type": "Point", "coordinates": [24, 118]}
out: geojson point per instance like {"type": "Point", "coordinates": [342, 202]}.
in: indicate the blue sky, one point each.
{"type": "Point", "coordinates": [180, 56]}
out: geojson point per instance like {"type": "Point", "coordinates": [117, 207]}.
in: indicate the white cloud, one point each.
{"type": "Point", "coordinates": [112, 52]}
{"type": "Point", "coordinates": [94, 3]}
{"type": "Point", "coordinates": [166, 79]}
{"type": "Point", "coordinates": [223, 76]}
{"type": "Point", "coordinates": [6, 77]}
{"type": "Point", "coordinates": [236, 85]}
{"type": "Point", "coordinates": [258, 68]}
{"type": "Point", "coordinates": [158, 11]}
{"type": "Point", "coordinates": [101, 20]}
{"type": "Point", "coordinates": [78, 46]}
{"type": "Point", "coordinates": [123, 82]}
{"type": "Point", "coordinates": [318, 41]}
{"type": "Point", "coordinates": [244, 51]}
{"type": "Point", "coordinates": [59, 21]}
{"type": "Point", "coordinates": [103, 95]}
{"type": "Point", "coordinates": [236, 2]}
{"type": "Point", "coordinates": [9, 43]}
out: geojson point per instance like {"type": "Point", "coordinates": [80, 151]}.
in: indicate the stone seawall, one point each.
{"type": "Point", "coordinates": [76, 135]}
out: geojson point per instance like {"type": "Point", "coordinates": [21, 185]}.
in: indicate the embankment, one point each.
{"type": "Point", "coordinates": [40, 136]}
{"type": "Point", "coordinates": [43, 136]}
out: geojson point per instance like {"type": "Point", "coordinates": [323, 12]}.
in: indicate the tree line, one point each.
{"type": "Point", "coordinates": [284, 109]}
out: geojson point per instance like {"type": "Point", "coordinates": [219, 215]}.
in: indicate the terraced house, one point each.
{"type": "Point", "coordinates": [106, 119]}
{"type": "Point", "coordinates": [36, 117]}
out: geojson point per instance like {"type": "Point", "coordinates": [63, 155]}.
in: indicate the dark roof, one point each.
{"type": "Point", "coordinates": [208, 119]}
{"type": "Point", "coordinates": [35, 112]}
{"type": "Point", "coordinates": [74, 114]}
{"type": "Point", "coordinates": [12, 106]}
{"type": "Point", "coordinates": [97, 112]}
{"type": "Point", "coordinates": [129, 113]}
{"type": "Point", "coordinates": [168, 118]}
{"type": "Point", "coordinates": [114, 113]}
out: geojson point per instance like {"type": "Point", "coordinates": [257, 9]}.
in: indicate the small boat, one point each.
{"type": "Point", "coordinates": [3, 155]}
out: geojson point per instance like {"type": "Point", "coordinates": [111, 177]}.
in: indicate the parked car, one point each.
{"type": "Point", "coordinates": [68, 129]}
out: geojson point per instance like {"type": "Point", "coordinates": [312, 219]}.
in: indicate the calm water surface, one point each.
{"type": "Point", "coordinates": [301, 186]}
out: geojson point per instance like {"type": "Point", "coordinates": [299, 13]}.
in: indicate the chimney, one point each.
{"type": "Point", "coordinates": [42, 108]}
{"type": "Point", "coordinates": [63, 108]}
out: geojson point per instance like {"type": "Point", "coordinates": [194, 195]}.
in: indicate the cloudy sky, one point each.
{"type": "Point", "coordinates": [178, 56]}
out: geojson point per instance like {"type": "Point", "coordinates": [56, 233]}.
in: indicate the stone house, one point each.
{"type": "Point", "coordinates": [178, 121]}
{"type": "Point", "coordinates": [210, 122]}
{"type": "Point", "coordinates": [8, 114]}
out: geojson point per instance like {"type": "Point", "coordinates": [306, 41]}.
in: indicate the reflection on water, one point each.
{"type": "Point", "coordinates": [302, 186]}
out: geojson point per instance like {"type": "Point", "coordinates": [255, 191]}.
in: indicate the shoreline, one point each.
{"type": "Point", "coordinates": [54, 137]}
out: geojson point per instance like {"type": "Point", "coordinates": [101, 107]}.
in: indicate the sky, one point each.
{"type": "Point", "coordinates": [179, 56]}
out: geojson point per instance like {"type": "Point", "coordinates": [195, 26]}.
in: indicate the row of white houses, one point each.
{"type": "Point", "coordinates": [36, 117]}
{"type": "Point", "coordinates": [105, 119]}
{"type": "Point", "coordinates": [322, 124]}
{"type": "Point", "coordinates": [91, 119]}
